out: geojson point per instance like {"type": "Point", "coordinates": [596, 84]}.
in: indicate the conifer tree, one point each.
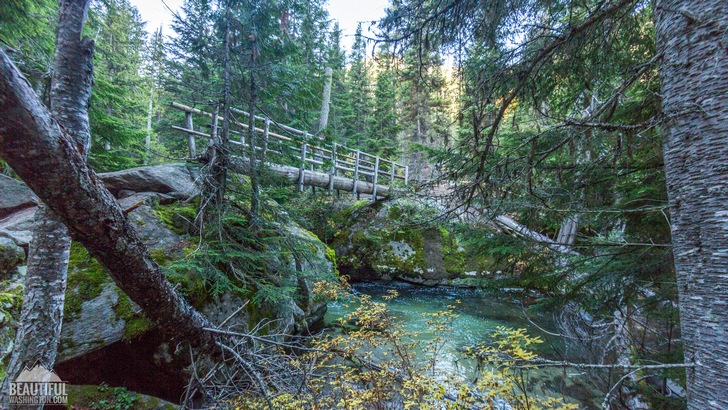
{"type": "Point", "coordinates": [384, 125]}
{"type": "Point", "coordinates": [358, 84]}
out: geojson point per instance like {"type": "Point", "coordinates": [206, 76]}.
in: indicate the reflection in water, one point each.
{"type": "Point", "coordinates": [479, 314]}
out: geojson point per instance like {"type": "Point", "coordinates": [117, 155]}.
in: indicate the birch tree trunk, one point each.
{"type": "Point", "coordinates": [41, 316]}
{"type": "Point", "coordinates": [150, 112]}
{"type": "Point", "coordinates": [694, 82]}
{"type": "Point", "coordinates": [326, 101]}
{"type": "Point", "coordinates": [47, 159]}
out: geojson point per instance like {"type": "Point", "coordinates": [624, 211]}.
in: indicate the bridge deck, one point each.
{"type": "Point", "coordinates": [299, 157]}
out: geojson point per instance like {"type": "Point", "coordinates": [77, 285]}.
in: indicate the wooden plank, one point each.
{"type": "Point", "coordinates": [189, 131]}
{"type": "Point", "coordinates": [345, 169]}
{"type": "Point", "coordinates": [314, 161]}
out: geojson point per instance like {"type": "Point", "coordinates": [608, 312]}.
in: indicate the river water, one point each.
{"type": "Point", "coordinates": [480, 313]}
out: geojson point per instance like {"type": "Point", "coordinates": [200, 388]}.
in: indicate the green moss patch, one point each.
{"type": "Point", "coordinates": [86, 279]}
{"type": "Point", "coordinates": [166, 214]}
{"type": "Point", "coordinates": [135, 322]}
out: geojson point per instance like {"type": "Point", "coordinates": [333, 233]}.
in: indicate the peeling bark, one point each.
{"type": "Point", "coordinates": [694, 82]}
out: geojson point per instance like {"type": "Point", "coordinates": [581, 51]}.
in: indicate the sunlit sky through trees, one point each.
{"type": "Point", "coordinates": [347, 12]}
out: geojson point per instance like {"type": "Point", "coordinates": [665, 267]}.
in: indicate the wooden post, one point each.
{"type": "Point", "coordinates": [376, 175]}
{"type": "Point", "coordinates": [332, 172]}
{"type": "Point", "coordinates": [356, 175]}
{"type": "Point", "coordinates": [313, 188]}
{"type": "Point", "coordinates": [213, 129]}
{"type": "Point", "coordinates": [391, 173]}
{"type": "Point", "coordinates": [302, 170]}
{"type": "Point", "coordinates": [406, 174]}
{"type": "Point", "coordinates": [190, 137]}
{"type": "Point", "coordinates": [265, 138]}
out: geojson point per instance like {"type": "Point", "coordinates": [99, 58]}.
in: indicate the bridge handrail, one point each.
{"type": "Point", "coordinates": [359, 162]}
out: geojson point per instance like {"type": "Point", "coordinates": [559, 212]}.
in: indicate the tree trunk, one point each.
{"type": "Point", "coordinates": [41, 315]}
{"type": "Point", "coordinates": [34, 145]}
{"type": "Point", "coordinates": [254, 183]}
{"type": "Point", "coordinates": [568, 231]}
{"type": "Point", "coordinates": [691, 35]}
{"type": "Point", "coordinates": [150, 113]}
{"type": "Point", "coordinates": [217, 154]}
{"type": "Point", "coordinates": [326, 102]}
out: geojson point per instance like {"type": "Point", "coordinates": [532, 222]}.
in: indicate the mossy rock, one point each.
{"type": "Point", "coordinates": [11, 255]}
{"type": "Point", "coordinates": [113, 398]}
{"type": "Point", "coordinates": [400, 239]}
{"type": "Point", "coordinates": [96, 312]}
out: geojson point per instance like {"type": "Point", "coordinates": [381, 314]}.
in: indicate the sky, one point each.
{"type": "Point", "coordinates": [347, 12]}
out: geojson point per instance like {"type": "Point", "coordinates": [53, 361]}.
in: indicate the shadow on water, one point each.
{"type": "Point", "coordinates": [480, 313]}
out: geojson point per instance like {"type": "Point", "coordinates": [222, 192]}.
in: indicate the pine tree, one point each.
{"type": "Point", "coordinates": [358, 84]}
{"type": "Point", "coordinates": [119, 100]}
{"type": "Point", "coordinates": [384, 124]}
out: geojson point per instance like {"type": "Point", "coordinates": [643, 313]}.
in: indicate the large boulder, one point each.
{"type": "Point", "coordinates": [315, 263]}
{"type": "Point", "coordinates": [177, 180]}
{"type": "Point", "coordinates": [19, 226]}
{"type": "Point", "coordinates": [97, 313]}
{"type": "Point", "coordinates": [400, 240]}
{"type": "Point", "coordinates": [14, 196]}
{"type": "Point", "coordinates": [11, 255]}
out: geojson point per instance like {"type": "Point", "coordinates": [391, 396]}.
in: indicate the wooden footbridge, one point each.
{"type": "Point", "coordinates": [298, 156]}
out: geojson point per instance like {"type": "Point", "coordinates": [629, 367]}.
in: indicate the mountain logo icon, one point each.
{"type": "Point", "coordinates": [38, 374]}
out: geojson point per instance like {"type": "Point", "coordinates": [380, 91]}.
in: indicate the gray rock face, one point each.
{"type": "Point", "coordinates": [154, 233]}
{"type": "Point", "coordinates": [19, 226]}
{"type": "Point", "coordinates": [95, 326]}
{"type": "Point", "coordinates": [14, 196]}
{"type": "Point", "coordinates": [176, 180]}
{"type": "Point", "coordinates": [317, 264]}
{"type": "Point", "coordinates": [11, 255]}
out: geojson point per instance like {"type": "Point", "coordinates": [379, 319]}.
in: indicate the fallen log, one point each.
{"type": "Point", "coordinates": [311, 178]}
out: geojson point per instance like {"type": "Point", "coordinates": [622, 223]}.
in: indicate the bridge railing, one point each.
{"type": "Point", "coordinates": [296, 148]}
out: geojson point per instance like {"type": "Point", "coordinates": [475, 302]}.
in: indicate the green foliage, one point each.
{"type": "Point", "coordinates": [118, 100]}
{"type": "Point", "coordinates": [121, 399]}
{"type": "Point", "coordinates": [28, 28]}
{"type": "Point", "coordinates": [103, 397]}
{"type": "Point", "coordinates": [256, 261]}
{"type": "Point", "coordinates": [375, 365]}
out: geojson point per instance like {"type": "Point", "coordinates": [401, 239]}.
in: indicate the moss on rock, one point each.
{"type": "Point", "coordinates": [135, 322]}
{"type": "Point", "coordinates": [169, 214]}
{"type": "Point", "coordinates": [387, 240]}
{"type": "Point", "coordinates": [86, 279]}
